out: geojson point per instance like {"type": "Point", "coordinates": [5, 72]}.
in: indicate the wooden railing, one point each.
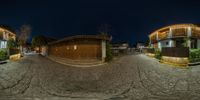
{"type": "Point", "coordinates": [181, 32]}
{"type": "Point", "coordinates": [163, 35]}
{"type": "Point", "coordinates": [149, 50]}
{"type": "Point", "coordinates": [195, 33]}
{"type": "Point", "coordinates": [153, 38]}
{"type": "Point", "coordinates": [175, 51]}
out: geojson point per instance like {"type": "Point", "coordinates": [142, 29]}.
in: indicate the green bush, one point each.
{"type": "Point", "coordinates": [194, 55]}
{"type": "Point", "coordinates": [158, 54]}
{"type": "Point", "coordinates": [109, 55]}
{"type": "Point", "coordinates": [3, 54]}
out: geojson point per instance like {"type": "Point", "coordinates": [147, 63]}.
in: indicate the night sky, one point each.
{"type": "Point", "coordinates": [130, 20]}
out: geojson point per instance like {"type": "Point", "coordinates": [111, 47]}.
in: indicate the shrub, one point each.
{"type": "Point", "coordinates": [3, 54]}
{"type": "Point", "coordinates": [158, 54]}
{"type": "Point", "coordinates": [109, 55]}
{"type": "Point", "coordinates": [194, 55]}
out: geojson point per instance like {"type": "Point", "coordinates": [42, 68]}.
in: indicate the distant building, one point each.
{"type": "Point", "coordinates": [140, 46]}
{"type": "Point", "coordinates": [80, 47]}
{"type": "Point", "coordinates": [120, 48]}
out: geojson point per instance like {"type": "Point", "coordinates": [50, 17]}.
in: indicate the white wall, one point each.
{"type": "Point", "coordinates": [103, 47]}
{"type": "Point", "coordinates": [165, 43]}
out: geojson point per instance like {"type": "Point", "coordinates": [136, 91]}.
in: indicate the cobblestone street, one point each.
{"type": "Point", "coordinates": [133, 77]}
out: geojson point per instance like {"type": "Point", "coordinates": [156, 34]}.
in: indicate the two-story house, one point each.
{"type": "Point", "coordinates": [5, 34]}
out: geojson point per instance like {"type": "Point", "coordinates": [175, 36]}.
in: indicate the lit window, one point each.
{"type": "Point", "coordinates": [67, 48]}
{"type": "Point", "coordinates": [3, 44]}
{"type": "Point", "coordinates": [75, 47]}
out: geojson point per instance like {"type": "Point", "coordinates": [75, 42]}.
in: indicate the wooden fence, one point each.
{"type": "Point", "coordinates": [14, 51]}
{"type": "Point", "coordinates": [175, 51]}
{"type": "Point", "coordinates": [149, 50]}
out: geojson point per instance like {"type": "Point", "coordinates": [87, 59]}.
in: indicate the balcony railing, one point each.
{"type": "Point", "coordinates": [182, 32]}
{"type": "Point", "coordinates": [163, 35]}
{"type": "Point", "coordinates": [195, 33]}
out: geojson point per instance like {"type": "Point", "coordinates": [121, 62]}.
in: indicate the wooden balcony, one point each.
{"type": "Point", "coordinates": [163, 35]}
{"type": "Point", "coordinates": [195, 33]}
{"type": "Point", "coordinates": [153, 38]}
{"type": "Point", "coordinates": [181, 32]}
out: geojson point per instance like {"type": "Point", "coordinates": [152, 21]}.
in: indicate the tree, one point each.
{"type": "Point", "coordinates": [39, 41]}
{"type": "Point", "coordinates": [24, 33]}
{"type": "Point", "coordinates": [10, 44]}
{"type": "Point", "coordinates": [185, 43]}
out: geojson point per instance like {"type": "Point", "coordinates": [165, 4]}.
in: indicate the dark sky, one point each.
{"type": "Point", "coordinates": [130, 20]}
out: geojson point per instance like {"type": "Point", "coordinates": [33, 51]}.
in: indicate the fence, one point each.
{"type": "Point", "coordinates": [175, 51]}
{"type": "Point", "coordinates": [14, 51]}
{"type": "Point", "coordinates": [149, 50]}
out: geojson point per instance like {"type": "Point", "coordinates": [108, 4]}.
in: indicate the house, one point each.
{"type": "Point", "coordinates": [5, 35]}
{"type": "Point", "coordinates": [176, 36]}
{"type": "Point", "coordinates": [140, 46]}
{"type": "Point", "coordinates": [120, 48]}
{"type": "Point", "coordinates": [175, 42]}
{"type": "Point", "coordinates": [80, 47]}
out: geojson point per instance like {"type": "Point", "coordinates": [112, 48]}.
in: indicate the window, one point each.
{"type": "Point", "coordinates": [67, 48]}
{"type": "Point", "coordinates": [3, 44]}
{"type": "Point", "coordinates": [167, 43]}
{"type": "Point", "coordinates": [75, 47]}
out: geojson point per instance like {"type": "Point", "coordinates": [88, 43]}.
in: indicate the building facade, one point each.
{"type": "Point", "coordinates": [80, 47]}
{"type": "Point", "coordinates": [120, 48]}
{"type": "Point", "coordinates": [5, 35]}
{"type": "Point", "coordinates": [179, 35]}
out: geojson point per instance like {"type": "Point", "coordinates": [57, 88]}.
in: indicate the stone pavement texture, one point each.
{"type": "Point", "coordinates": [133, 77]}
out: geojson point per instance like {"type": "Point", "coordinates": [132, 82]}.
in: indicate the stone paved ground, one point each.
{"type": "Point", "coordinates": [133, 77]}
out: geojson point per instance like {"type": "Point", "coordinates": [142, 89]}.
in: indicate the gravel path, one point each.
{"type": "Point", "coordinates": [133, 77]}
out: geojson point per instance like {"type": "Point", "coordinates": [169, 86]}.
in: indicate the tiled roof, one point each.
{"type": "Point", "coordinates": [99, 37]}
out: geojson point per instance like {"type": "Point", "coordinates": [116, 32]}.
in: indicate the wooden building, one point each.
{"type": "Point", "coordinates": [80, 47]}
{"type": "Point", "coordinates": [6, 34]}
{"type": "Point", "coordinates": [175, 42]}
{"type": "Point", "coordinates": [176, 36]}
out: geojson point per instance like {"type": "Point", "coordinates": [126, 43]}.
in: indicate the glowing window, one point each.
{"type": "Point", "coordinates": [75, 47]}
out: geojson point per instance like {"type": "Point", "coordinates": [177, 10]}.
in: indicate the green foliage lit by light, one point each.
{"type": "Point", "coordinates": [185, 43]}
{"type": "Point", "coordinates": [109, 55]}
{"type": "Point", "coordinates": [3, 54]}
{"type": "Point", "coordinates": [11, 43]}
{"type": "Point", "coordinates": [39, 41]}
{"type": "Point", "coordinates": [158, 54]}
{"type": "Point", "coordinates": [194, 55]}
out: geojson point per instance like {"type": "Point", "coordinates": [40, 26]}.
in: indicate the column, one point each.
{"type": "Point", "coordinates": [150, 42]}
{"type": "Point", "coordinates": [4, 35]}
{"type": "Point", "coordinates": [171, 43]}
{"type": "Point", "coordinates": [198, 43]}
{"type": "Point", "coordinates": [189, 34]}
{"type": "Point", "coordinates": [189, 31]}
{"type": "Point", "coordinates": [157, 36]}
{"type": "Point", "coordinates": [170, 33]}
{"type": "Point", "coordinates": [103, 49]}
{"type": "Point", "coordinates": [159, 46]}
{"type": "Point", "coordinates": [189, 43]}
